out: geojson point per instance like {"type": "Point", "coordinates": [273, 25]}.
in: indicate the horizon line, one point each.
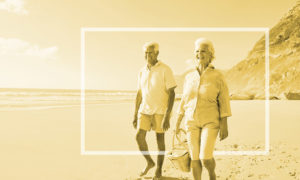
{"type": "Point", "coordinates": [36, 88]}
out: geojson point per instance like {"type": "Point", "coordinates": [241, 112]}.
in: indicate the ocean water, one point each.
{"type": "Point", "coordinates": [14, 99]}
{"type": "Point", "coordinates": [22, 99]}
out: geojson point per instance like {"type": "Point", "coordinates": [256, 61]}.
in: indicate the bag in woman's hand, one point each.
{"type": "Point", "coordinates": [179, 155]}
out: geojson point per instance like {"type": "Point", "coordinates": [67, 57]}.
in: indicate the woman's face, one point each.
{"type": "Point", "coordinates": [203, 54]}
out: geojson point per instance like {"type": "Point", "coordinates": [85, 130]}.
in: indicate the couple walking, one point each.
{"type": "Point", "coordinates": [204, 105]}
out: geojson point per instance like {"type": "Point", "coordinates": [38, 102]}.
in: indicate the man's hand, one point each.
{"type": "Point", "coordinates": [223, 129]}
{"type": "Point", "coordinates": [134, 122]}
{"type": "Point", "coordinates": [166, 122]}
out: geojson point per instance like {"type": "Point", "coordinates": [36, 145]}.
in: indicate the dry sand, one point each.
{"type": "Point", "coordinates": [45, 144]}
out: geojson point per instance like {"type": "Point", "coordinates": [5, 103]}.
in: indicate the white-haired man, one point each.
{"type": "Point", "coordinates": [154, 103]}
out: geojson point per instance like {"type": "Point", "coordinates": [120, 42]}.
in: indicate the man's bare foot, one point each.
{"type": "Point", "coordinates": [148, 167]}
{"type": "Point", "coordinates": [158, 173]}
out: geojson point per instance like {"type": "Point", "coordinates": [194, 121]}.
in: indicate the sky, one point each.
{"type": "Point", "coordinates": [40, 40]}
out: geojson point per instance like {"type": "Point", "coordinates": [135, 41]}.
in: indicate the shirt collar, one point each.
{"type": "Point", "coordinates": [196, 63]}
{"type": "Point", "coordinates": [155, 65]}
{"type": "Point", "coordinates": [209, 67]}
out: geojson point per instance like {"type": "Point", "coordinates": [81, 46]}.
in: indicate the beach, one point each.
{"type": "Point", "coordinates": [44, 143]}
{"type": "Point", "coordinates": [71, 71]}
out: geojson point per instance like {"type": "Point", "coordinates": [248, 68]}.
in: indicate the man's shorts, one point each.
{"type": "Point", "coordinates": [201, 139]}
{"type": "Point", "coordinates": [148, 122]}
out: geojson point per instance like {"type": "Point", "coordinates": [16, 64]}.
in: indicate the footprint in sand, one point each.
{"type": "Point", "coordinates": [292, 173]}
{"type": "Point", "coordinates": [250, 175]}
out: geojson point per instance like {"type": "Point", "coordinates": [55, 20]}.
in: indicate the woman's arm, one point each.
{"type": "Point", "coordinates": [180, 114]}
{"type": "Point", "coordinates": [179, 119]}
{"type": "Point", "coordinates": [223, 128]}
{"type": "Point", "coordinates": [224, 108]}
{"type": "Point", "coordinates": [181, 110]}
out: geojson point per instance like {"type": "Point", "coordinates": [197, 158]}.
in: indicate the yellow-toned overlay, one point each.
{"type": "Point", "coordinates": [63, 62]}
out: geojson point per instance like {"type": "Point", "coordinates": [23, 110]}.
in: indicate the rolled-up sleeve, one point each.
{"type": "Point", "coordinates": [169, 78]}
{"type": "Point", "coordinates": [223, 98]}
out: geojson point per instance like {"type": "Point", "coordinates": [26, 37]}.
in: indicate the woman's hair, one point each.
{"type": "Point", "coordinates": [209, 44]}
{"type": "Point", "coordinates": [153, 45]}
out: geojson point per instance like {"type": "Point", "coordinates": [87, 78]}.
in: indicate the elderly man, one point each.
{"type": "Point", "coordinates": [154, 103]}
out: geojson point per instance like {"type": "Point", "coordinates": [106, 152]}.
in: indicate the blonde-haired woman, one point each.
{"type": "Point", "coordinates": [205, 107]}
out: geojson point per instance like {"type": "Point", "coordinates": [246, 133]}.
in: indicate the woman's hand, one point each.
{"type": "Point", "coordinates": [177, 128]}
{"type": "Point", "coordinates": [223, 128]}
{"type": "Point", "coordinates": [179, 118]}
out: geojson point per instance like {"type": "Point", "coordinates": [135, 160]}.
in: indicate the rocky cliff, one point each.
{"type": "Point", "coordinates": [248, 76]}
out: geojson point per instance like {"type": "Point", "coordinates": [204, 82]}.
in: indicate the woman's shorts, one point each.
{"type": "Point", "coordinates": [201, 139]}
{"type": "Point", "coordinates": [148, 122]}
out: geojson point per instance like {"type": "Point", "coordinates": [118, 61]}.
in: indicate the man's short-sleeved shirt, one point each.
{"type": "Point", "coordinates": [206, 97]}
{"type": "Point", "coordinates": [154, 84]}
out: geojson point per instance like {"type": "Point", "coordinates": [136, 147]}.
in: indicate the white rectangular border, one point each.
{"type": "Point", "coordinates": [175, 29]}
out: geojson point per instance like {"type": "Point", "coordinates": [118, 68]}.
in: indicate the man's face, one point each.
{"type": "Point", "coordinates": [203, 54]}
{"type": "Point", "coordinates": [151, 55]}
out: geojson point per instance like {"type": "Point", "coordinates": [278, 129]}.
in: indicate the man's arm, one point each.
{"type": "Point", "coordinates": [166, 123]}
{"type": "Point", "coordinates": [171, 98]}
{"type": "Point", "coordinates": [138, 102]}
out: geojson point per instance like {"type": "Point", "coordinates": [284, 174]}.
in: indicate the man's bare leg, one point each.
{"type": "Point", "coordinates": [141, 140]}
{"type": "Point", "coordinates": [197, 169]}
{"type": "Point", "coordinates": [160, 139]}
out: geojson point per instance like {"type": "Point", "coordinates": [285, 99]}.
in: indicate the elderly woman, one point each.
{"type": "Point", "coordinates": [205, 106]}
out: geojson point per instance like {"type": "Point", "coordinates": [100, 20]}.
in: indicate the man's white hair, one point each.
{"type": "Point", "coordinates": [207, 42]}
{"type": "Point", "coordinates": [153, 45]}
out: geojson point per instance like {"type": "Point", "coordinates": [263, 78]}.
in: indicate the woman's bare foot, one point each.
{"type": "Point", "coordinates": [148, 167]}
